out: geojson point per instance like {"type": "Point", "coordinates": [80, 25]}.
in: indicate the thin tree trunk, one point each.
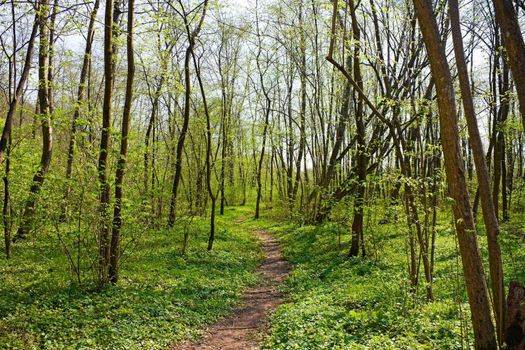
{"type": "Point", "coordinates": [6, 210]}
{"type": "Point", "coordinates": [213, 196]}
{"type": "Point", "coordinates": [267, 111]}
{"type": "Point", "coordinates": [103, 239]}
{"type": "Point", "coordinates": [114, 254]}
{"type": "Point", "coordinates": [13, 104]}
{"type": "Point", "coordinates": [302, 113]}
{"type": "Point", "coordinates": [362, 159]}
{"type": "Point", "coordinates": [224, 149]}
{"type": "Point", "coordinates": [261, 156]}
{"type": "Point", "coordinates": [45, 105]}
{"type": "Point", "coordinates": [80, 100]}
{"type": "Point", "coordinates": [184, 130]}
{"type": "Point", "coordinates": [151, 135]}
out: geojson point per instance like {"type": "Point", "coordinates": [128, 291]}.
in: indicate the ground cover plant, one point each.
{"type": "Point", "coordinates": [145, 146]}
{"type": "Point", "coordinates": [164, 297]}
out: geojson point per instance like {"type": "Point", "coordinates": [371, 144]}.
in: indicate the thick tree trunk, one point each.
{"type": "Point", "coordinates": [489, 213]}
{"type": "Point", "coordinates": [515, 320]}
{"type": "Point", "coordinates": [472, 264]}
{"type": "Point", "coordinates": [513, 41]}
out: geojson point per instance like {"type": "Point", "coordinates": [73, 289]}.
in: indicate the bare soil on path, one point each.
{"type": "Point", "coordinates": [246, 326]}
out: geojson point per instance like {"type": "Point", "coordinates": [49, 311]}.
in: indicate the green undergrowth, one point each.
{"type": "Point", "coordinates": [337, 302]}
{"type": "Point", "coordinates": [161, 297]}
{"type": "Point", "coordinates": [332, 301]}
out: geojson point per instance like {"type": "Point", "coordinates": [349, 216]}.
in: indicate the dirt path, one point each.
{"type": "Point", "coordinates": [246, 326]}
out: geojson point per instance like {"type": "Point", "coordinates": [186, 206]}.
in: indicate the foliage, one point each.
{"type": "Point", "coordinates": [337, 302]}
{"type": "Point", "coordinates": [162, 298]}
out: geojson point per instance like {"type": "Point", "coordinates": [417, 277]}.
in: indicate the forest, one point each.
{"type": "Point", "coordinates": [273, 174]}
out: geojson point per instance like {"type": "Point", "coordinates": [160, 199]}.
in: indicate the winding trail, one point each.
{"type": "Point", "coordinates": [246, 326]}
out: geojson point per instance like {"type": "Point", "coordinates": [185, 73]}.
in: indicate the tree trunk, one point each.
{"type": "Point", "coordinates": [302, 112]}
{"type": "Point", "coordinates": [489, 213]}
{"type": "Point", "coordinates": [184, 130]}
{"type": "Point", "coordinates": [45, 57]}
{"type": "Point", "coordinates": [13, 104]}
{"type": "Point", "coordinates": [362, 159]}
{"type": "Point", "coordinates": [472, 265]}
{"type": "Point", "coordinates": [261, 156]}
{"type": "Point", "coordinates": [213, 196]}
{"type": "Point", "coordinates": [515, 321]}
{"type": "Point", "coordinates": [6, 210]}
{"type": "Point", "coordinates": [267, 111]}
{"type": "Point", "coordinates": [103, 239]}
{"type": "Point", "coordinates": [80, 100]}
{"type": "Point", "coordinates": [513, 41]}
{"type": "Point", "coordinates": [114, 253]}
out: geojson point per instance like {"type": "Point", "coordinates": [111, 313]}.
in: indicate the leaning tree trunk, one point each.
{"type": "Point", "coordinates": [185, 123]}
{"type": "Point", "coordinates": [483, 328]}
{"type": "Point", "coordinates": [44, 102]}
{"type": "Point", "coordinates": [213, 196]}
{"type": "Point", "coordinates": [489, 212]}
{"type": "Point", "coordinates": [80, 99]}
{"type": "Point", "coordinates": [13, 104]}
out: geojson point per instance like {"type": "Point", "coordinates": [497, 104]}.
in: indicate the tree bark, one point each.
{"type": "Point", "coordinates": [186, 119]}
{"type": "Point", "coordinates": [80, 99]}
{"type": "Point", "coordinates": [513, 41]}
{"type": "Point", "coordinates": [114, 254]}
{"type": "Point", "coordinates": [489, 213]}
{"type": "Point", "coordinates": [103, 239]}
{"type": "Point", "coordinates": [362, 159]}
{"type": "Point", "coordinates": [483, 328]}
{"type": "Point", "coordinates": [45, 106]}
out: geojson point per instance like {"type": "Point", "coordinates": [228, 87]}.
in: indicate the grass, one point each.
{"type": "Point", "coordinates": [161, 297]}
{"type": "Point", "coordinates": [333, 302]}
{"type": "Point", "coordinates": [336, 302]}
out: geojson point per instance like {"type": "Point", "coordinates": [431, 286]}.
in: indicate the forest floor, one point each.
{"type": "Point", "coordinates": [243, 294]}
{"type": "Point", "coordinates": [246, 326]}
{"type": "Point", "coordinates": [161, 299]}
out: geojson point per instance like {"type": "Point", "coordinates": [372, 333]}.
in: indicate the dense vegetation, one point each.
{"type": "Point", "coordinates": [163, 298]}
{"type": "Point", "coordinates": [381, 141]}
{"type": "Point", "coordinates": [341, 303]}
